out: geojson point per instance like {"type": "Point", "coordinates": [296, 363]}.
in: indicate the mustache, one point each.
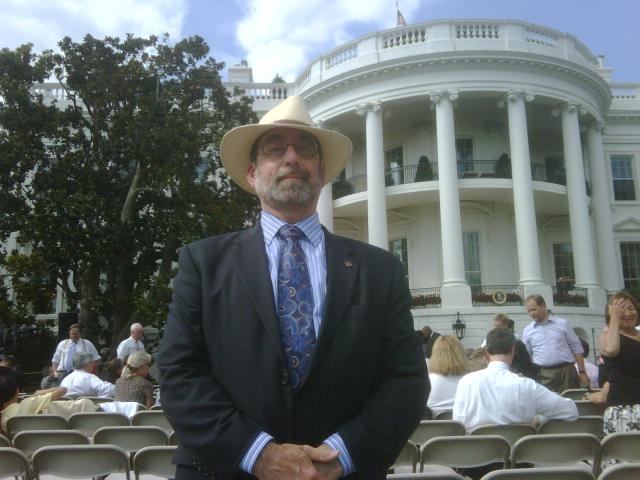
{"type": "Point", "coordinates": [292, 171]}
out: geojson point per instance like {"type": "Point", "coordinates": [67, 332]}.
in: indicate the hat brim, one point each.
{"type": "Point", "coordinates": [235, 150]}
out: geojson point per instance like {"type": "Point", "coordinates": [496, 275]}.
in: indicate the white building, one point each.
{"type": "Point", "coordinates": [560, 216]}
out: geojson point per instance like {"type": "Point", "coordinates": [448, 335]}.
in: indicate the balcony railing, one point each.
{"type": "Point", "coordinates": [427, 172]}
{"type": "Point", "coordinates": [570, 297]}
{"type": "Point", "coordinates": [496, 295]}
{"type": "Point", "coordinates": [426, 298]}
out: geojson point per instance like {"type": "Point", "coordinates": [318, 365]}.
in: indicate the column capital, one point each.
{"type": "Point", "coordinates": [452, 95]}
{"type": "Point", "coordinates": [363, 108]}
{"type": "Point", "coordinates": [598, 125]}
{"type": "Point", "coordinates": [513, 95]}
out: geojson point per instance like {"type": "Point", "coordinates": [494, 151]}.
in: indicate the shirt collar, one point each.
{"type": "Point", "coordinates": [498, 365]}
{"type": "Point", "coordinates": [542, 324]}
{"type": "Point", "coordinates": [310, 226]}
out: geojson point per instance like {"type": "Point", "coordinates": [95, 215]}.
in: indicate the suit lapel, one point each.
{"type": "Point", "coordinates": [342, 273]}
{"type": "Point", "coordinates": [253, 268]}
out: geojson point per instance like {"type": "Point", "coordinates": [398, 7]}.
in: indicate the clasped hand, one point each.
{"type": "Point", "coordinates": [297, 462]}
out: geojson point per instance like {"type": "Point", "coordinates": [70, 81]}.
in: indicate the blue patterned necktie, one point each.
{"type": "Point", "coordinates": [295, 305]}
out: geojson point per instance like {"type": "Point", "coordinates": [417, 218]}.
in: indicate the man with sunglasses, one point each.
{"type": "Point", "coordinates": [289, 352]}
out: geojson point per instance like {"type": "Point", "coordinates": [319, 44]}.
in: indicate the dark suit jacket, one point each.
{"type": "Point", "coordinates": [223, 374]}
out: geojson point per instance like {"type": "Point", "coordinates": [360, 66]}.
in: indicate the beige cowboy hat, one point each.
{"type": "Point", "coordinates": [235, 147]}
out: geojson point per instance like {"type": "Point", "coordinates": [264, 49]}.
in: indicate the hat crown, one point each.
{"type": "Point", "coordinates": [291, 111]}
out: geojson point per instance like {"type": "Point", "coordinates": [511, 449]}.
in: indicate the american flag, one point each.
{"type": "Point", "coordinates": [400, 21]}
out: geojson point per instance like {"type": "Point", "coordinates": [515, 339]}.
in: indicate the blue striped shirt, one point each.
{"type": "Point", "coordinates": [314, 249]}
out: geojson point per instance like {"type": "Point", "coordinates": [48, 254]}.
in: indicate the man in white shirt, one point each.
{"type": "Point", "coordinates": [83, 381]}
{"type": "Point", "coordinates": [554, 347]}
{"type": "Point", "coordinates": [133, 343]}
{"type": "Point", "coordinates": [497, 396]}
{"type": "Point", "coordinates": [62, 361]}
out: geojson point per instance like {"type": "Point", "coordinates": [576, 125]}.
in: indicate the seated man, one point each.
{"type": "Point", "coordinates": [83, 381]}
{"type": "Point", "coordinates": [497, 396]}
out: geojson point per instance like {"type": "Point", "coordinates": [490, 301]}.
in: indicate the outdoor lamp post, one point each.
{"type": "Point", "coordinates": [459, 327]}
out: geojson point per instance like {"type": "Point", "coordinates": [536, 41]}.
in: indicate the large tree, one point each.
{"type": "Point", "coordinates": [106, 180]}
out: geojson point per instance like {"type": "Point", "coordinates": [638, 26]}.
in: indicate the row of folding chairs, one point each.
{"type": "Point", "coordinates": [86, 422]}
{"type": "Point", "coordinates": [99, 400]}
{"type": "Point", "coordinates": [428, 429]}
{"type": "Point", "coordinates": [585, 407]}
{"type": "Point", "coordinates": [541, 450]}
{"type": "Point", "coordinates": [86, 461]}
{"type": "Point", "coordinates": [622, 471]}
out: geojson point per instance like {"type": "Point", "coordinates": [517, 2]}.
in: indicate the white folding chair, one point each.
{"type": "Point", "coordinates": [151, 418]}
{"type": "Point", "coordinates": [80, 461]}
{"type": "Point", "coordinates": [13, 463]}
{"type": "Point", "coordinates": [428, 429]}
{"type": "Point", "coordinates": [623, 446]}
{"type": "Point", "coordinates": [425, 476]}
{"type": "Point", "coordinates": [130, 438]}
{"type": "Point", "coordinates": [28, 441]}
{"type": "Point", "coordinates": [544, 473]}
{"type": "Point", "coordinates": [155, 461]}
{"type": "Point", "coordinates": [621, 471]}
{"type": "Point", "coordinates": [588, 424]}
{"type": "Point", "coordinates": [4, 441]}
{"type": "Point", "coordinates": [465, 451]}
{"type": "Point", "coordinates": [575, 393]}
{"type": "Point", "coordinates": [511, 432]}
{"type": "Point", "coordinates": [89, 422]}
{"type": "Point", "coordinates": [555, 450]}
{"type": "Point", "coordinates": [20, 423]}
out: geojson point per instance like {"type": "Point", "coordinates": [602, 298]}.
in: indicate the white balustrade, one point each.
{"type": "Point", "coordinates": [342, 55]}
{"type": "Point", "coordinates": [540, 36]}
{"type": "Point", "coordinates": [405, 36]}
{"type": "Point", "coordinates": [476, 30]}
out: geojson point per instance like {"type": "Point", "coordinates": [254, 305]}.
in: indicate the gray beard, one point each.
{"type": "Point", "coordinates": [284, 193]}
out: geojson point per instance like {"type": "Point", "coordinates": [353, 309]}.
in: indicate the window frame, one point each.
{"type": "Point", "coordinates": [632, 168]}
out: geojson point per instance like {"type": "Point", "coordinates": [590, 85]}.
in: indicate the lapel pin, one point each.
{"type": "Point", "coordinates": [348, 263]}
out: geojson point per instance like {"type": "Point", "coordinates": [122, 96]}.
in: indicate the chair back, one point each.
{"type": "Point", "coordinates": [28, 441]}
{"type": "Point", "coordinates": [544, 473]}
{"type": "Point", "coordinates": [465, 451]}
{"type": "Point", "coordinates": [20, 423]}
{"type": "Point", "coordinates": [173, 439]}
{"type": "Point", "coordinates": [4, 441]}
{"type": "Point", "coordinates": [443, 415]}
{"type": "Point", "coordinates": [155, 461]}
{"type": "Point", "coordinates": [426, 476]}
{"type": "Point", "coordinates": [80, 461]}
{"type": "Point", "coordinates": [588, 424]}
{"type": "Point", "coordinates": [151, 418]}
{"type": "Point", "coordinates": [89, 422]}
{"type": "Point", "coordinates": [131, 439]}
{"type": "Point", "coordinates": [621, 471]}
{"type": "Point", "coordinates": [575, 393]}
{"type": "Point", "coordinates": [429, 429]}
{"type": "Point", "coordinates": [623, 446]}
{"type": "Point", "coordinates": [554, 450]}
{"type": "Point", "coordinates": [511, 432]}
{"type": "Point", "coordinates": [13, 463]}
{"type": "Point", "coordinates": [98, 400]}
{"type": "Point", "coordinates": [586, 407]}
{"type": "Point", "coordinates": [408, 457]}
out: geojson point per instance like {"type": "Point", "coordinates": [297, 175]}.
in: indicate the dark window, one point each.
{"type": "Point", "coordinates": [471, 251]}
{"type": "Point", "coordinates": [394, 165]}
{"type": "Point", "coordinates": [399, 249]}
{"type": "Point", "coordinates": [622, 175]}
{"type": "Point", "coordinates": [630, 253]}
{"type": "Point", "coordinates": [563, 264]}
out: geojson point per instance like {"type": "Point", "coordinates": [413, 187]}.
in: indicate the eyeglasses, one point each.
{"type": "Point", "coordinates": [277, 147]}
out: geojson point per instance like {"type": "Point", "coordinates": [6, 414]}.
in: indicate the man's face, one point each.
{"type": "Point", "coordinates": [74, 334]}
{"type": "Point", "coordinates": [291, 179]}
{"type": "Point", "coordinates": [537, 312]}
{"type": "Point", "coordinates": [137, 334]}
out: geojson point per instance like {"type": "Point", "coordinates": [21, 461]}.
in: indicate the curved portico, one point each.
{"type": "Point", "coordinates": [496, 85]}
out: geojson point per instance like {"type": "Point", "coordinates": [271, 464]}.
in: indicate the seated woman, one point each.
{"type": "Point", "coordinates": [41, 401]}
{"type": "Point", "coordinates": [447, 365]}
{"type": "Point", "coordinates": [133, 385]}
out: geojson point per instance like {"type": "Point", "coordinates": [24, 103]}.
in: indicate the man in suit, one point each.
{"type": "Point", "coordinates": [287, 354]}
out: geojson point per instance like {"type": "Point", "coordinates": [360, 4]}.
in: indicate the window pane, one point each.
{"type": "Point", "coordinates": [399, 249]}
{"type": "Point", "coordinates": [563, 263]}
{"type": "Point", "coordinates": [393, 162]}
{"type": "Point", "coordinates": [622, 175]}
{"type": "Point", "coordinates": [471, 248]}
{"type": "Point", "coordinates": [464, 149]}
{"type": "Point", "coordinates": [630, 252]}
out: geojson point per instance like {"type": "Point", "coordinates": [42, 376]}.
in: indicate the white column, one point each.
{"type": "Point", "coordinates": [455, 290]}
{"type": "Point", "coordinates": [325, 207]}
{"type": "Point", "coordinates": [523, 204]}
{"type": "Point", "coordinates": [607, 259]}
{"type": "Point", "coordinates": [581, 237]}
{"type": "Point", "coordinates": [376, 193]}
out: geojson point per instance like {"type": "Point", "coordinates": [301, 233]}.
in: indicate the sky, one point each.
{"type": "Point", "coordinates": [284, 36]}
